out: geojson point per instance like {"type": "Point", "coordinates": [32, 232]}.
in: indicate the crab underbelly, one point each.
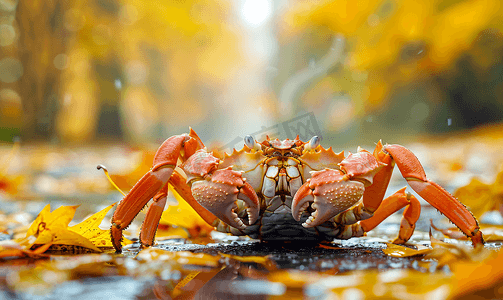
{"type": "Point", "coordinates": [279, 225]}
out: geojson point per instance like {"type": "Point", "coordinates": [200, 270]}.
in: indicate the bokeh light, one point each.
{"type": "Point", "coordinates": [11, 69]}
{"type": "Point", "coordinates": [228, 68]}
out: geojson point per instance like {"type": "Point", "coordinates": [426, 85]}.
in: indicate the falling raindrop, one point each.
{"type": "Point", "coordinates": [449, 122]}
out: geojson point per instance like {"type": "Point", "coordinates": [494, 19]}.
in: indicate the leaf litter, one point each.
{"type": "Point", "coordinates": [191, 260]}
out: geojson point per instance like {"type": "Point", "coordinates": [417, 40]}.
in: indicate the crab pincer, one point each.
{"type": "Point", "coordinates": [220, 192]}
{"type": "Point", "coordinates": [330, 193]}
{"type": "Point", "coordinates": [333, 191]}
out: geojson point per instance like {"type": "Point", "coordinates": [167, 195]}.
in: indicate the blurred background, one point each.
{"type": "Point", "coordinates": [74, 72]}
{"type": "Point", "coordinates": [131, 72]}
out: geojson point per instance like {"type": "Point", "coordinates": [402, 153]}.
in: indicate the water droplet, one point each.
{"type": "Point", "coordinates": [118, 84]}
{"type": "Point", "coordinates": [449, 122]}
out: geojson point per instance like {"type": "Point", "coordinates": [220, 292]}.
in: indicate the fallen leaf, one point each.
{"type": "Point", "coordinates": [180, 257]}
{"type": "Point", "coordinates": [60, 217]}
{"type": "Point", "coordinates": [492, 233]}
{"type": "Point", "coordinates": [9, 250]}
{"type": "Point", "coordinates": [183, 215]}
{"type": "Point", "coordinates": [89, 229]}
{"type": "Point", "coordinates": [261, 260]}
{"type": "Point", "coordinates": [402, 251]}
{"type": "Point", "coordinates": [478, 196]}
{"type": "Point", "coordinates": [453, 232]}
{"type": "Point", "coordinates": [51, 228]}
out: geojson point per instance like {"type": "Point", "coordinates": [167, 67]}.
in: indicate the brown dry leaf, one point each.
{"type": "Point", "coordinates": [402, 251]}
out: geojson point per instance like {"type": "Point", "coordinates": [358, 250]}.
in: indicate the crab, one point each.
{"type": "Point", "coordinates": [284, 190]}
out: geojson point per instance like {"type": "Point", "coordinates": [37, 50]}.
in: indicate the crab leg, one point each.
{"type": "Point", "coordinates": [413, 172]}
{"type": "Point", "coordinates": [146, 188]}
{"type": "Point", "coordinates": [374, 194]}
{"type": "Point", "coordinates": [149, 185]}
{"type": "Point", "coordinates": [389, 206]}
{"type": "Point", "coordinates": [178, 183]}
{"type": "Point", "coordinates": [151, 222]}
{"type": "Point", "coordinates": [155, 210]}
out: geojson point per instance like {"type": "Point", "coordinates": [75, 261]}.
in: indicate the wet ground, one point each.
{"type": "Point", "coordinates": [292, 270]}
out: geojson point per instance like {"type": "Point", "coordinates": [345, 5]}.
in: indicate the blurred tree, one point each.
{"type": "Point", "coordinates": [42, 38]}
{"type": "Point", "coordinates": [120, 68]}
{"type": "Point", "coordinates": [145, 62]}
{"type": "Point", "coordinates": [409, 66]}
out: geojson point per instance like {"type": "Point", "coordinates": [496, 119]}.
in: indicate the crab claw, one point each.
{"type": "Point", "coordinates": [220, 193]}
{"type": "Point", "coordinates": [330, 193]}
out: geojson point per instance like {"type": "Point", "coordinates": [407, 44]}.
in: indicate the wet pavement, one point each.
{"type": "Point", "coordinates": [293, 270]}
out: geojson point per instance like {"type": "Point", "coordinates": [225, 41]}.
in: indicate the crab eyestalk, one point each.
{"type": "Point", "coordinates": [251, 143]}
{"type": "Point", "coordinates": [314, 142]}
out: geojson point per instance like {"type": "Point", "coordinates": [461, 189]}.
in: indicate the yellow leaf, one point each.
{"type": "Point", "coordinates": [40, 218]}
{"type": "Point", "coordinates": [89, 229]}
{"type": "Point", "coordinates": [492, 233]}
{"type": "Point", "coordinates": [63, 236]}
{"type": "Point", "coordinates": [182, 215]}
{"type": "Point", "coordinates": [170, 232]}
{"type": "Point", "coordinates": [53, 228]}
{"type": "Point", "coordinates": [401, 251]}
{"type": "Point", "coordinates": [60, 217]}
{"type": "Point", "coordinates": [477, 196]}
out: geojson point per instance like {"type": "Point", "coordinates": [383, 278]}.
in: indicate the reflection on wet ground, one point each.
{"type": "Point", "coordinates": [276, 270]}
{"type": "Point", "coordinates": [222, 266]}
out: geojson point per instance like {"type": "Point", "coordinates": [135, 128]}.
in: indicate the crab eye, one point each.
{"type": "Point", "coordinates": [313, 143]}
{"type": "Point", "coordinates": [249, 141]}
